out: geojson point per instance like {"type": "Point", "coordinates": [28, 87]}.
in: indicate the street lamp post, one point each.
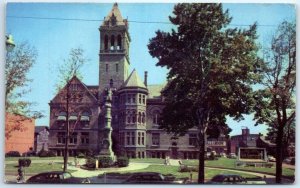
{"type": "Point", "coordinates": [10, 44]}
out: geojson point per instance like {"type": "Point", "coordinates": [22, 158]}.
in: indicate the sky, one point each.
{"type": "Point", "coordinates": [54, 38]}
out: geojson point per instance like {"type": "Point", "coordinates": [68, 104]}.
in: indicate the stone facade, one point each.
{"type": "Point", "coordinates": [134, 109]}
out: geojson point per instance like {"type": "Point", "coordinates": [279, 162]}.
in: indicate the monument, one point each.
{"type": "Point", "coordinates": [106, 142]}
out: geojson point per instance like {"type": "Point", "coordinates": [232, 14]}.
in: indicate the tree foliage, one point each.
{"type": "Point", "coordinates": [71, 66]}
{"type": "Point", "coordinates": [276, 101]}
{"type": "Point", "coordinates": [211, 69]}
{"type": "Point", "coordinates": [19, 61]}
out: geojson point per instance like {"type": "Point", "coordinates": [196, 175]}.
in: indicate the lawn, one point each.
{"type": "Point", "coordinates": [230, 163]}
{"type": "Point", "coordinates": [148, 160]}
{"type": "Point", "coordinates": [36, 168]}
{"type": "Point", "coordinates": [174, 170]}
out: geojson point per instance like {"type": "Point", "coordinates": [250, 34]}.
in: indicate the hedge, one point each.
{"type": "Point", "coordinates": [105, 162]}
{"type": "Point", "coordinates": [123, 161]}
{"type": "Point", "coordinates": [13, 154]}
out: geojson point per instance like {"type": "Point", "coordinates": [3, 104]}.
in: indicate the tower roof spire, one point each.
{"type": "Point", "coordinates": [114, 17]}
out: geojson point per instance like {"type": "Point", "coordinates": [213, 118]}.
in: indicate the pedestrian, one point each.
{"type": "Point", "coordinates": [20, 177]}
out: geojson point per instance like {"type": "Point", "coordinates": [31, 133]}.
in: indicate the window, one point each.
{"type": "Point", "coordinates": [106, 42]}
{"type": "Point", "coordinates": [128, 138]}
{"type": "Point", "coordinates": [144, 99]}
{"type": "Point", "coordinates": [106, 67]}
{"type": "Point", "coordinates": [128, 118]}
{"type": "Point", "coordinates": [128, 98]}
{"type": "Point", "coordinates": [140, 99]}
{"type": "Point", "coordinates": [193, 139]}
{"type": "Point", "coordinates": [140, 117]}
{"type": "Point", "coordinates": [112, 42]}
{"type": "Point", "coordinates": [73, 138]}
{"type": "Point", "coordinates": [139, 138]}
{"type": "Point", "coordinates": [119, 42]}
{"type": "Point", "coordinates": [133, 98]}
{"type": "Point", "coordinates": [156, 117]}
{"type": "Point", "coordinates": [155, 138]}
{"type": "Point", "coordinates": [85, 138]}
{"type": "Point", "coordinates": [143, 139]}
{"type": "Point", "coordinates": [132, 138]}
{"type": "Point", "coordinates": [117, 67]}
{"type": "Point", "coordinates": [143, 117]}
{"type": "Point", "coordinates": [61, 138]}
{"type": "Point", "coordinates": [133, 117]}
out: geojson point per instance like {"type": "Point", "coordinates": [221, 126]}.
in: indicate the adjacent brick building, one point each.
{"type": "Point", "coordinates": [135, 106]}
{"type": "Point", "coordinates": [19, 133]}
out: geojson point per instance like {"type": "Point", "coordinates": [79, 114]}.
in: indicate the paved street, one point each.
{"type": "Point", "coordinates": [93, 175]}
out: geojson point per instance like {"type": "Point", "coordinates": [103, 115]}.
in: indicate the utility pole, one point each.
{"type": "Point", "coordinates": [67, 131]}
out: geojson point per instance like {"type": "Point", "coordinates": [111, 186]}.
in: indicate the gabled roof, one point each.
{"type": "Point", "coordinates": [134, 81]}
{"type": "Point", "coordinates": [115, 12]}
{"type": "Point", "coordinates": [74, 78]}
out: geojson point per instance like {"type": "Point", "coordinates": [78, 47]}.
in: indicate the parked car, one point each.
{"type": "Point", "coordinates": [289, 160]}
{"type": "Point", "coordinates": [271, 158]}
{"type": "Point", "coordinates": [233, 179]}
{"type": "Point", "coordinates": [153, 178]}
{"type": "Point", "coordinates": [222, 154]}
{"type": "Point", "coordinates": [56, 177]}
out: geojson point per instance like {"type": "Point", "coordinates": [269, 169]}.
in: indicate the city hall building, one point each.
{"type": "Point", "coordinates": [122, 105]}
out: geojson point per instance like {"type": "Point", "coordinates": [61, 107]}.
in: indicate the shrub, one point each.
{"type": "Point", "coordinates": [292, 161]}
{"type": "Point", "coordinates": [185, 168]}
{"type": "Point", "coordinates": [24, 162]}
{"type": "Point", "coordinates": [105, 162]}
{"type": "Point", "coordinates": [81, 155]}
{"type": "Point", "coordinates": [44, 153]}
{"type": "Point", "coordinates": [123, 161]}
{"type": "Point", "coordinates": [89, 153]}
{"type": "Point", "coordinates": [13, 154]}
{"type": "Point", "coordinates": [269, 165]}
{"type": "Point", "coordinates": [90, 162]}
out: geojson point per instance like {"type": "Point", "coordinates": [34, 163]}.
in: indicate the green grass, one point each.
{"type": "Point", "coordinates": [148, 160]}
{"type": "Point", "coordinates": [37, 158]}
{"type": "Point", "coordinates": [230, 163]}
{"type": "Point", "coordinates": [36, 168]}
{"type": "Point", "coordinates": [174, 170]}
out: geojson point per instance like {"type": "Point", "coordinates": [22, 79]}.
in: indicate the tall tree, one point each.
{"type": "Point", "coordinates": [70, 68]}
{"type": "Point", "coordinates": [19, 61]}
{"type": "Point", "coordinates": [211, 69]}
{"type": "Point", "coordinates": [276, 102]}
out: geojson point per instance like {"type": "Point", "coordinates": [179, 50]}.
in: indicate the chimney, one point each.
{"type": "Point", "coordinates": [145, 78]}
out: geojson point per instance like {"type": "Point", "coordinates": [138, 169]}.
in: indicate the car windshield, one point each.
{"type": "Point", "coordinates": [67, 175]}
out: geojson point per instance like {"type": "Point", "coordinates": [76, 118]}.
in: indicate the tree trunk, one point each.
{"type": "Point", "coordinates": [201, 171]}
{"type": "Point", "coordinates": [279, 145]}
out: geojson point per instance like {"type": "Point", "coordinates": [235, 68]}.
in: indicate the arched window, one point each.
{"type": "Point", "coordinates": [112, 42]}
{"type": "Point", "coordinates": [85, 116]}
{"type": "Point", "coordinates": [119, 42]}
{"type": "Point", "coordinates": [106, 42]}
{"type": "Point", "coordinates": [128, 118]}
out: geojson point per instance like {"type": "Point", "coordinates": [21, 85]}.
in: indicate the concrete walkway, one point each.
{"type": "Point", "coordinates": [91, 173]}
